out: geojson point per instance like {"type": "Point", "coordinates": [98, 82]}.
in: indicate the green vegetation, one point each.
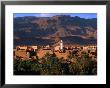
{"type": "Point", "coordinates": [51, 65]}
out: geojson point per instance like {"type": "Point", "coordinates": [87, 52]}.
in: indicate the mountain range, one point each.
{"type": "Point", "coordinates": [49, 30]}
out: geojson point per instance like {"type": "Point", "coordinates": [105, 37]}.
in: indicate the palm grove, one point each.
{"type": "Point", "coordinates": [50, 64]}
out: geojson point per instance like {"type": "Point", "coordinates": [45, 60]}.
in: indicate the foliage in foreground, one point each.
{"type": "Point", "coordinates": [51, 65]}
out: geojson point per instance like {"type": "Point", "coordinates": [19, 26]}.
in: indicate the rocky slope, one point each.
{"type": "Point", "coordinates": [44, 30]}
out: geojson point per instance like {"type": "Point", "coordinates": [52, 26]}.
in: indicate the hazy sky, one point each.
{"type": "Point", "coordinates": [81, 15]}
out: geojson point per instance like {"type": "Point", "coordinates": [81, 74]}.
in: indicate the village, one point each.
{"type": "Point", "coordinates": [60, 49]}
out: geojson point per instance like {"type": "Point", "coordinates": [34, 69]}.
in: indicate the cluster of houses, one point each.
{"type": "Point", "coordinates": [61, 50]}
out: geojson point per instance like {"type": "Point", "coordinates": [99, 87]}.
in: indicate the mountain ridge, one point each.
{"type": "Point", "coordinates": [54, 28]}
